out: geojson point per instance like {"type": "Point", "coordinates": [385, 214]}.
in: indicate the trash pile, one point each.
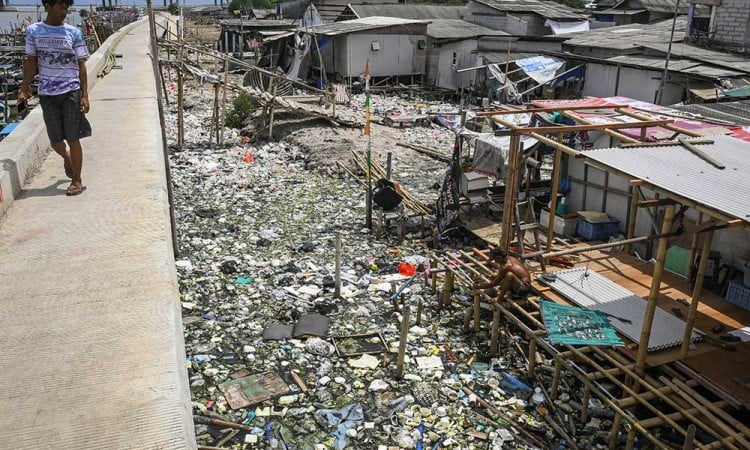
{"type": "Point", "coordinates": [277, 360]}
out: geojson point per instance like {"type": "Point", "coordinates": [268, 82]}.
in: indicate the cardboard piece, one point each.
{"type": "Point", "coordinates": [253, 389]}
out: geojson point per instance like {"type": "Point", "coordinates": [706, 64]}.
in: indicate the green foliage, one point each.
{"type": "Point", "coordinates": [242, 107]}
{"type": "Point", "coordinates": [245, 5]}
{"type": "Point", "coordinates": [174, 8]}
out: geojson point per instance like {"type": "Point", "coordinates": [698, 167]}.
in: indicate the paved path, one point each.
{"type": "Point", "coordinates": [92, 350]}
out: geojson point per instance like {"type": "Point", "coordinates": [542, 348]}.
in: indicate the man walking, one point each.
{"type": "Point", "coordinates": [57, 52]}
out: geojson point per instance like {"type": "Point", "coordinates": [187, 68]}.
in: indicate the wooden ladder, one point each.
{"type": "Point", "coordinates": [528, 223]}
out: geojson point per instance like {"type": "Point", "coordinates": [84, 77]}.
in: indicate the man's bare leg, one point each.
{"type": "Point", "coordinates": [76, 159]}
{"type": "Point", "coordinates": [510, 283]}
{"type": "Point", "coordinates": [61, 149]}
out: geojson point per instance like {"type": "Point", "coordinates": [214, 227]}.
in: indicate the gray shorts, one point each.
{"type": "Point", "coordinates": [63, 117]}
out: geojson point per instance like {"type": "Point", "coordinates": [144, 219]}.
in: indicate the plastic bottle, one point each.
{"type": "Point", "coordinates": [538, 397]}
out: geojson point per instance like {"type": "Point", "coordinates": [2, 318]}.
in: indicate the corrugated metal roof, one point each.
{"type": "Point", "coordinates": [588, 289]}
{"type": "Point", "coordinates": [547, 9]}
{"type": "Point", "coordinates": [735, 112]}
{"type": "Point", "coordinates": [366, 23]}
{"type": "Point", "coordinates": [716, 58]}
{"type": "Point", "coordinates": [418, 11]}
{"type": "Point", "coordinates": [458, 29]}
{"type": "Point", "coordinates": [501, 57]}
{"type": "Point", "coordinates": [676, 65]}
{"type": "Point", "coordinates": [630, 36]}
{"type": "Point", "coordinates": [677, 170]}
{"type": "Point", "coordinates": [668, 7]}
{"type": "Point", "coordinates": [619, 12]}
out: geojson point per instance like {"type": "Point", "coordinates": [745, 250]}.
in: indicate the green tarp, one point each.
{"type": "Point", "coordinates": [577, 326]}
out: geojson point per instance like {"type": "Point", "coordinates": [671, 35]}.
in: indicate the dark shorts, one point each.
{"type": "Point", "coordinates": [63, 117]}
{"type": "Point", "coordinates": [523, 289]}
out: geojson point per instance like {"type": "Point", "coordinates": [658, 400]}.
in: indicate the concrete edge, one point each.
{"type": "Point", "coordinates": [22, 152]}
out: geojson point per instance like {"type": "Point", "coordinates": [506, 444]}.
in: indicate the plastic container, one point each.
{"type": "Point", "coordinates": [738, 294]}
{"type": "Point", "coordinates": [598, 231]}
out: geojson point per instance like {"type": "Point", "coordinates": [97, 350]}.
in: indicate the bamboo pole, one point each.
{"type": "Point", "coordinates": [667, 126]}
{"type": "Point", "coordinates": [510, 192]}
{"type": "Point", "coordinates": [495, 336]}
{"type": "Point", "coordinates": [653, 296]}
{"type": "Point", "coordinates": [214, 128]}
{"type": "Point", "coordinates": [627, 402]}
{"type": "Point", "coordinates": [402, 342]}
{"type": "Point", "coordinates": [532, 356]}
{"type": "Point", "coordinates": [694, 246]}
{"type": "Point", "coordinates": [619, 136]}
{"type": "Point", "coordinates": [273, 112]}
{"type": "Point", "coordinates": [477, 307]}
{"type": "Point", "coordinates": [709, 417]}
{"type": "Point", "coordinates": [222, 115]}
{"type": "Point", "coordinates": [447, 288]}
{"type": "Point", "coordinates": [689, 439]}
{"type": "Point", "coordinates": [556, 170]}
{"type": "Point", "coordinates": [632, 219]}
{"type": "Point", "coordinates": [696, 297]}
{"type": "Point", "coordinates": [180, 102]}
{"type": "Point", "coordinates": [687, 387]}
{"type": "Point", "coordinates": [337, 291]}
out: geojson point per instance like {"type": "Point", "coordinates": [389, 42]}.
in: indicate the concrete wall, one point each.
{"type": "Point", "coordinates": [601, 81]}
{"type": "Point", "coordinates": [399, 54]}
{"type": "Point", "coordinates": [466, 56]}
{"type": "Point", "coordinates": [733, 244]}
{"type": "Point", "coordinates": [732, 24]}
{"type": "Point", "coordinates": [26, 147]}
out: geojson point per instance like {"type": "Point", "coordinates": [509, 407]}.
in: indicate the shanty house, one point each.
{"type": "Point", "coordinates": [629, 60]}
{"type": "Point", "coordinates": [453, 46]}
{"type": "Point", "coordinates": [451, 41]}
{"type": "Point", "coordinates": [395, 47]}
{"type": "Point", "coordinates": [525, 17]}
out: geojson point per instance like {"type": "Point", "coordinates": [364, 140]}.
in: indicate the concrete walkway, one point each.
{"type": "Point", "coordinates": [92, 349]}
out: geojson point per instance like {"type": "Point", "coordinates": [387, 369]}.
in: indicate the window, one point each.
{"type": "Point", "coordinates": [455, 59]}
{"type": "Point", "coordinates": [375, 45]}
{"type": "Point", "coordinates": [421, 44]}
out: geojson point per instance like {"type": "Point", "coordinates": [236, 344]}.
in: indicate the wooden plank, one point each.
{"type": "Point", "coordinates": [597, 126]}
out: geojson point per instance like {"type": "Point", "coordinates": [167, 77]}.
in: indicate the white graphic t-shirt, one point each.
{"type": "Point", "coordinates": [57, 50]}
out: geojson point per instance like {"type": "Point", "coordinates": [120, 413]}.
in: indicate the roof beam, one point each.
{"type": "Point", "coordinates": [658, 202]}
{"type": "Point", "coordinates": [501, 112]}
{"type": "Point", "coordinates": [601, 126]}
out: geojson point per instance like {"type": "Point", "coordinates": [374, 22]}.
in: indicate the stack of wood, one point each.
{"type": "Point", "coordinates": [378, 172]}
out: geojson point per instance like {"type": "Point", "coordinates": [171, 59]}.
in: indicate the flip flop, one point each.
{"type": "Point", "coordinates": [68, 170]}
{"type": "Point", "coordinates": [73, 190]}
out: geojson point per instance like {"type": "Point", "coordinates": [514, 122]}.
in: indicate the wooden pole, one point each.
{"type": "Point", "coordinates": [214, 117]}
{"type": "Point", "coordinates": [621, 137]}
{"type": "Point", "coordinates": [180, 102]}
{"type": "Point", "coordinates": [163, 83]}
{"type": "Point", "coordinates": [632, 219]}
{"type": "Point", "coordinates": [532, 356]}
{"type": "Point", "coordinates": [388, 166]}
{"type": "Point", "coordinates": [402, 342]}
{"type": "Point", "coordinates": [337, 293]}
{"type": "Point", "coordinates": [510, 191]}
{"type": "Point", "coordinates": [420, 310]}
{"type": "Point", "coordinates": [697, 291]}
{"type": "Point", "coordinates": [585, 404]}
{"type": "Point", "coordinates": [554, 389]}
{"type": "Point", "coordinates": [477, 311]}
{"type": "Point", "coordinates": [694, 247]}
{"type": "Point", "coordinates": [653, 296]}
{"type": "Point", "coordinates": [273, 112]}
{"type": "Point", "coordinates": [556, 170]}
{"type": "Point", "coordinates": [223, 103]}
{"type": "Point", "coordinates": [447, 288]}
{"type": "Point", "coordinates": [690, 438]}
{"type": "Point", "coordinates": [495, 338]}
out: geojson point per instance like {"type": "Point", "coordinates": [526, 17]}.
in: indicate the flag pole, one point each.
{"type": "Point", "coordinates": [368, 201]}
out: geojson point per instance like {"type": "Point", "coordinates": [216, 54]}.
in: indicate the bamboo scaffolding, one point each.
{"type": "Point", "coordinates": [654, 389]}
